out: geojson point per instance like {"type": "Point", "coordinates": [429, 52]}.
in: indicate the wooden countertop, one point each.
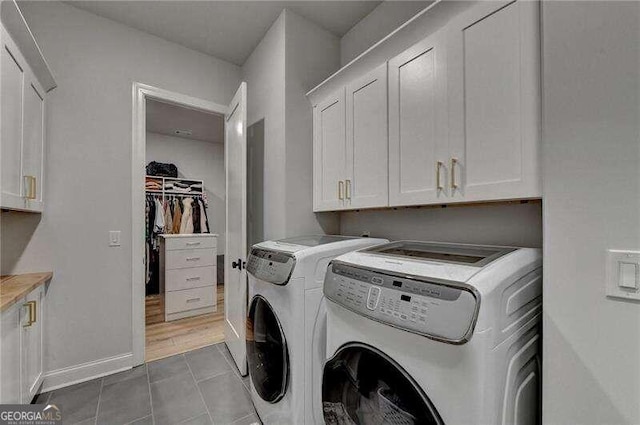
{"type": "Point", "coordinates": [14, 287]}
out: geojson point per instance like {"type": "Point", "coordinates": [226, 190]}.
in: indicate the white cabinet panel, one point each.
{"type": "Point", "coordinates": [494, 96]}
{"type": "Point", "coordinates": [330, 152]}
{"type": "Point", "coordinates": [33, 142]}
{"type": "Point", "coordinates": [418, 124]}
{"type": "Point", "coordinates": [32, 344]}
{"type": "Point", "coordinates": [367, 141]}
{"type": "Point", "coordinates": [12, 77]}
{"type": "Point", "coordinates": [10, 330]}
{"type": "Point", "coordinates": [22, 130]}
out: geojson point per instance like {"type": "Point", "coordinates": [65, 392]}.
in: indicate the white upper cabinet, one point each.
{"type": "Point", "coordinates": [23, 72]}
{"type": "Point", "coordinates": [458, 119]}
{"type": "Point", "coordinates": [366, 185]}
{"type": "Point", "coordinates": [418, 124]}
{"type": "Point", "coordinates": [494, 102]}
{"type": "Point", "coordinates": [329, 153]}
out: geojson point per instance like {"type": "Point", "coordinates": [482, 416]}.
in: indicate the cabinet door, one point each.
{"type": "Point", "coordinates": [10, 330]}
{"type": "Point", "coordinates": [33, 144]}
{"type": "Point", "coordinates": [32, 344]}
{"type": "Point", "coordinates": [329, 153]}
{"type": "Point", "coordinates": [418, 124]}
{"type": "Point", "coordinates": [367, 141]}
{"type": "Point", "coordinates": [11, 108]}
{"type": "Point", "coordinates": [494, 98]}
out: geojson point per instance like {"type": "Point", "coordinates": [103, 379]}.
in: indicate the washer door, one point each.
{"type": "Point", "coordinates": [361, 385]}
{"type": "Point", "coordinates": [267, 353]}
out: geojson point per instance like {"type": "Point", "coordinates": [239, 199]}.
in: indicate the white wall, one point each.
{"type": "Point", "coordinates": [294, 55]}
{"type": "Point", "coordinates": [592, 203]}
{"type": "Point", "coordinates": [495, 224]}
{"type": "Point", "coordinates": [264, 73]}
{"type": "Point", "coordinates": [382, 20]}
{"type": "Point", "coordinates": [312, 54]}
{"type": "Point", "coordinates": [88, 171]}
{"type": "Point", "coordinates": [197, 160]}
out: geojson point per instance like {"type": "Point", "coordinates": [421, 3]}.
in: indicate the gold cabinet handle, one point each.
{"type": "Point", "coordinates": [340, 190]}
{"type": "Point", "coordinates": [348, 189]}
{"type": "Point", "coordinates": [31, 181]}
{"type": "Point", "coordinates": [32, 312]}
{"type": "Point", "coordinates": [454, 162]}
{"type": "Point", "coordinates": [439, 165]}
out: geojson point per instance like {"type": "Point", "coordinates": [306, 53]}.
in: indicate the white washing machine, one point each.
{"type": "Point", "coordinates": [433, 333]}
{"type": "Point", "coordinates": [286, 328]}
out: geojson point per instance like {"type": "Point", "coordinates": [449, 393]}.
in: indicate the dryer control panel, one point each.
{"type": "Point", "coordinates": [440, 310]}
{"type": "Point", "coordinates": [271, 266]}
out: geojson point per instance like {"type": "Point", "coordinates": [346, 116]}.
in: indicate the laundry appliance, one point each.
{"type": "Point", "coordinates": [433, 333]}
{"type": "Point", "coordinates": [286, 324]}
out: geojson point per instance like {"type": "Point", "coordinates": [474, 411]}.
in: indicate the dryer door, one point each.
{"type": "Point", "coordinates": [267, 353]}
{"type": "Point", "coordinates": [364, 386]}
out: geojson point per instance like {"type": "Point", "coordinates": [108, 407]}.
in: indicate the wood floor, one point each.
{"type": "Point", "coordinates": [165, 339]}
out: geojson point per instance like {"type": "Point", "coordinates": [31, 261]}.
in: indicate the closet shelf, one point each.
{"type": "Point", "coordinates": [15, 287]}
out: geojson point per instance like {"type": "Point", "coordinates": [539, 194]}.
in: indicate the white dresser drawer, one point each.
{"type": "Point", "coordinates": [190, 299]}
{"type": "Point", "coordinates": [190, 258]}
{"type": "Point", "coordinates": [187, 278]}
{"type": "Point", "coordinates": [196, 242]}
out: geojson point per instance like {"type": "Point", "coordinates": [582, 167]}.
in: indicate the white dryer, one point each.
{"type": "Point", "coordinates": [433, 333]}
{"type": "Point", "coordinates": [286, 328]}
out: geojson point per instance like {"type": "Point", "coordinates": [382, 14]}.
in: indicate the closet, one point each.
{"type": "Point", "coordinates": [184, 229]}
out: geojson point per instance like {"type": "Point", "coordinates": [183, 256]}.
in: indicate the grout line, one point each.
{"type": "Point", "coordinates": [95, 422]}
{"type": "Point", "coordinates": [198, 389]}
{"type": "Point", "coordinates": [139, 419]}
{"type": "Point", "coordinates": [153, 418]}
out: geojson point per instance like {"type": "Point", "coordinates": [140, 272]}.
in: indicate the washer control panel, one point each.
{"type": "Point", "coordinates": [421, 306]}
{"type": "Point", "coordinates": [270, 266]}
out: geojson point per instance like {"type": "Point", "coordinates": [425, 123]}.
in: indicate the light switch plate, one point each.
{"type": "Point", "coordinates": [114, 238]}
{"type": "Point", "coordinates": [623, 269]}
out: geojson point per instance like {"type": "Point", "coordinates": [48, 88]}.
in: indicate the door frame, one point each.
{"type": "Point", "coordinates": [140, 93]}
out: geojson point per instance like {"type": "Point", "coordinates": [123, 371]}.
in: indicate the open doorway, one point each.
{"type": "Point", "coordinates": [184, 229]}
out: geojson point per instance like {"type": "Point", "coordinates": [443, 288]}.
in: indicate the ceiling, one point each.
{"type": "Point", "coordinates": [164, 118]}
{"type": "Point", "coordinates": [228, 30]}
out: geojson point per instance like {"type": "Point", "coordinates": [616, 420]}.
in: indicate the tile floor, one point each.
{"type": "Point", "coordinates": [201, 387]}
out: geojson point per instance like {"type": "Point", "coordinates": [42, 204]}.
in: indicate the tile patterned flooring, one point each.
{"type": "Point", "coordinates": [201, 387]}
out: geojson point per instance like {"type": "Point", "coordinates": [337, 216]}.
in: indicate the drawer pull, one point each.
{"type": "Point", "coordinates": [189, 279]}
{"type": "Point", "coordinates": [193, 300]}
{"type": "Point", "coordinates": [193, 259]}
{"type": "Point", "coordinates": [193, 243]}
{"type": "Point", "coordinates": [32, 313]}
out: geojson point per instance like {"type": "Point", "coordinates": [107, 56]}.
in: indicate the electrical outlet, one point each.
{"type": "Point", "coordinates": [366, 234]}
{"type": "Point", "coordinates": [114, 238]}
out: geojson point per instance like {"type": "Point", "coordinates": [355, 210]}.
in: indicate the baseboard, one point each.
{"type": "Point", "coordinates": [86, 371]}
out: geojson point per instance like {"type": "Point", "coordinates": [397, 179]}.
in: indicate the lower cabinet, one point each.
{"type": "Point", "coordinates": [21, 333]}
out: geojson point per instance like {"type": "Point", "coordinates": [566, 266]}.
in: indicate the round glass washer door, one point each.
{"type": "Point", "coordinates": [363, 386]}
{"type": "Point", "coordinates": [267, 353]}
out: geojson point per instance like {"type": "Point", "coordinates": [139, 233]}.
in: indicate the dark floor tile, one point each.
{"type": "Point", "coordinates": [200, 420]}
{"type": "Point", "coordinates": [176, 399]}
{"type": "Point", "coordinates": [144, 421]}
{"type": "Point", "coordinates": [167, 368]}
{"type": "Point", "coordinates": [124, 402]}
{"type": "Point", "coordinates": [226, 398]}
{"type": "Point", "coordinates": [207, 362]}
{"type": "Point", "coordinates": [126, 375]}
{"type": "Point", "coordinates": [90, 421]}
{"type": "Point", "coordinates": [248, 420]}
{"type": "Point", "coordinates": [77, 402]}
{"type": "Point", "coordinates": [42, 398]}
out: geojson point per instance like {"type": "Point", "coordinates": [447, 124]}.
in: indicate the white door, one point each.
{"type": "Point", "coordinates": [367, 180]}
{"type": "Point", "coordinates": [10, 330]}
{"type": "Point", "coordinates": [494, 99]}
{"type": "Point", "coordinates": [418, 145]}
{"type": "Point", "coordinates": [235, 275]}
{"type": "Point", "coordinates": [33, 144]}
{"type": "Point", "coordinates": [329, 153]}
